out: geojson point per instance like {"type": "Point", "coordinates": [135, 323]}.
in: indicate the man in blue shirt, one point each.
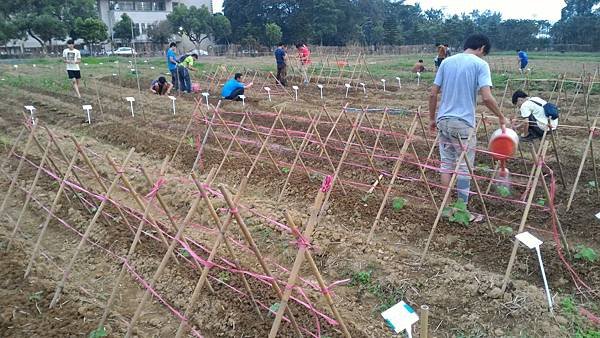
{"type": "Point", "coordinates": [172, 64]}
{"type": "Point", "coordinates": [234, 87]}
{"type": "Point", "coordinates": [523, 60]}
{"type": "Point", "coordinates": [459, 79]}
{"type": "Point", "coordinates": [281, 59]}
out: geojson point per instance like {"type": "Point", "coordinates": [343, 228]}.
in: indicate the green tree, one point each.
{"type": "Point", "coordinates": [273, 33]}
{"type": "Point", "coordinates": [194, 22]}
{"type": "Point", "coordinates": [91, 30]}
{"type": "Point", "coordinates": [124, 29]}
{"type": "Point", "coordinates": [160, 32]}
{"type": "Point", "coordinates": [221, 28]}
{"type": "Point", "coordinates": [44, 28]}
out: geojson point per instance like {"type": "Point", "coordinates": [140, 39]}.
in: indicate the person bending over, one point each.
{"type": "Point", "coordinates": [532, 111]}
{"type": "Point", "coordinates": [161, 86]}
{"type": "Point", "coordinates": [234, 87]}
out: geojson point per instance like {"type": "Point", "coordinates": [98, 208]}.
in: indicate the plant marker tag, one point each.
{"type": "Point", "coordinates": [114, 74]}
{"type": "Point", "coordinates": [400, 317]}
{"type": "Point", "coordinates": [320, 86]}
{"type": "Point", "coordinates": [130, 99]}
{"type": "Point", "coordinates": [87, 109]}
{"type": "Point", "coordinates": [152, 67]}
{"type": "Point", "coordinates": [101, 63]}
{"type": "Point", "coordinates": [347, 85]}
{"type": "Point", "coordinates": [268, 92]}
{"type": "Point", "coordinates": [383, 80]}
{"type": "Point", "coordinates": [173, 98]}
{"type": "Point", "coordinates": [399, 82]}
{"type": "Point", "coordinates": [296, 91]}
{"type": "Point", "coordinates": [145, 61]}
{"type": "Point", "coordinates": [31, 110]}
{"type": "Point", "coordinates": [133, 70]}
{"type": "Point", "coordinates": [243, 97]}
{"type": "Point", "coordinates": [16, 66]}
{"type": "Point", "coordinates": [206, 95]}
{"type": "Point", "coordinates": [418, 78]}
{"type": "Point", "coordinates": [364, 88]}
{"type": "Point", "coordinates": [85, 64]}
{"type": "Point", "coordinates": [533, 242]}
{"type": "Point", "coordinates": [34, 65]}
{"type": "Point", "coordinates": [598, 215]}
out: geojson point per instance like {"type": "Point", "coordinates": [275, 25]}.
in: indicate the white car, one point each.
{"type": "Point", "coordinates": [125, 51]}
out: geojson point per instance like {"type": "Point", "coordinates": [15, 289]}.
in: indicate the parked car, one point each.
{"type": "Point", "coordinates": [124, 51]}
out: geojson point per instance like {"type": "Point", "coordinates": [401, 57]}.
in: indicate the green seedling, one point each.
{"type": "Point", "coordinates": [98, 333]}
{"type": "Point", "coordinates": [503, 191]}
{"type": "Point", "coordinates": [190, 141]}
{"type": "Point", "coordinates": [224, 276]}
{"type": "Point", "coordinates": [591, 184]}
{"type": "Point", "coordinates": [274, 308]}
{"type": "Point", "coordinates": [541, 201]}
{"type": "Point", "coordinates": [398, 203]}
{"type": "Point", "coordinates": [458, 213]}
{"type": "Point", "coordinates": [184, 252]}
{"type": "Point", "coordinates": [36, 296]}
{"type": "Point", "coordinates": [504, 230]}
{"type": "Point", "coordinates": [285, 170]}
{"type": "Point", "coordinates": [483, 167]}
{"type": "Point", "coordinates": [365, 198]}
{"type": "Point", "coordinates": [568, 305]}
{"type": "Point", "coordinates": [585, 253]}
{"type": "Point", "coordinates": [361, 278]}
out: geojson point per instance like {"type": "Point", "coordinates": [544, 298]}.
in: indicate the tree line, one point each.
{"type": "Point", "coordinates": [252, 23]}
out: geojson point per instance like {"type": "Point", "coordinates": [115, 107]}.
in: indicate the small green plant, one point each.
{"type": "Point", "coordinates": [483, 167]}
{"type": "Point", "coordinates": [190, 141]}
{"type": "Point", "coordinates": [285, 170]}
{"type": "Point", "coordinates": [273, 309]}
{"type": "Point", "coordinates": [504, 230]}
{"type": "Point", "coordinates": [585, 253]}
{"type": "Point", "coordinates": [589, 333]}
{"type": "Point", "coordinates": [398, 203]}
{"type": "Point", "coordinates": [365, 198]}
{"type": "Point", "coordinates": [568, 305]}
{"type": "Point", "coordinates": [184, 252]}
{"type": "Point", "coordinates": [458, 213]}
{"type": "Point", "coordinates": [591, 184]}
{"type": "Point", "coordinates": [224, 276]}
{"type": "Point", "coordinates": [503, 190]}
{"type": "Point", "coordinates": [361, 278]}
{"type": "Point", "coordinates": [541, 202]}
{"type": "Point", "coordinates": [36, 296]}
{"type": "Point", "coordinates": [98, 333]}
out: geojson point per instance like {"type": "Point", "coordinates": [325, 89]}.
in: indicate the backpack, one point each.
{"type": "Point", "coordinates": [550, 109]}
{"type": "Point", "coordinates": [182, 57]}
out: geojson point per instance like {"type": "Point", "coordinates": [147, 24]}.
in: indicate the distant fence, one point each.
{"type": "Point", "coordinates": [239, 51]}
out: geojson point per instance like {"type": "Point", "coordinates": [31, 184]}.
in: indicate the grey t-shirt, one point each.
{"type": "Point", "coordinates": [460, 77]}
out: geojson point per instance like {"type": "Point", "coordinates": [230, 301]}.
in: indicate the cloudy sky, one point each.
{"type": "Point", "coordinates": [510, 9]}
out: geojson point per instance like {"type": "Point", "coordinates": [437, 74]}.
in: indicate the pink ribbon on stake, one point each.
{"type": "Point", "coordinates": [157, 185]}
{"type": "Point", "coordinates": [326, 185]}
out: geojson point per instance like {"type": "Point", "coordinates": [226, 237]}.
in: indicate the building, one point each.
{"type": "Point", "coordinates": [143, 13]}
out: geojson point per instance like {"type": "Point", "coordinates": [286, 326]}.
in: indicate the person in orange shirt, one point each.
{"type": "Point", "coordinates": [419, 67]}
{"type": "Point", "coordinates": [442, 52]}
{"type": "Point", "coordinates": [304, 56]}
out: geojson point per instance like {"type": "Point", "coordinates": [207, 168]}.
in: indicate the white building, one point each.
{"type": "Point", "coordinates": [143, 12]}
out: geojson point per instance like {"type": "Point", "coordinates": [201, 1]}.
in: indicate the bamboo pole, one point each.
{"type": "Point", "coordinates": [240, 221]}
{"type": "Point", "coordinates": [513, 255]}
{"type": "Point", "coordinates": [226, 154]}
{"type": "Point", "coordinates": [51, 212]}
{"type": "Point", "coordinates": [304, 241]}
{"type": "Point", "coordinates": [581, 165]}
{"type": "Point", "coordinates": [130, 252]}
{"type": "Point", "coordinates": [88, 231]}
{"type": "Point", "coordinates": [13, 148]}
{"type": "Point", "coordinates": [165, 260]}
{"type": "Point", "coordinates": [13, 182]}
{"type": "Point", "coordinates": [187, 128]}
{"type": "Point", "coordinates": [397, 166]}
{"type": "Point", "coordinates": [29, 194]}
{"type": "Point", "coordinates": [261, 140]}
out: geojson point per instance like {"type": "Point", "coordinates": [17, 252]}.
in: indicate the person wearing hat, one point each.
{"type": "Point", "coordinates": [161, 86]}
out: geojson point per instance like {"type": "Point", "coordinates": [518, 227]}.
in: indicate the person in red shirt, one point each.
{"type": "Point", "coordinates": [304, 57]}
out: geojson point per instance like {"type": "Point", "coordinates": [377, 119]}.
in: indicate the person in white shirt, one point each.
{"type": "Point", "coordinates": [72, 57]}
{"type": "Point", "coordinates": [532, 109]}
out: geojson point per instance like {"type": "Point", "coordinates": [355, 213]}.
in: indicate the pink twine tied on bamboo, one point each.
{"type": "Point", "coordinates": [301, 241]}
{"type": "Point", "coordinates": [328, 289]}
{"type": "Point", "coordinates": [157, 185]}
{"type": "Point", "coordinates": [326, 185]}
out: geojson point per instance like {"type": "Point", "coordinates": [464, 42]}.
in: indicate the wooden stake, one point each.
{"type": "Point", "coordinates": [240, 221]}
{"type": "Point", "coordinates": [583, 158]}
{"type": "Point", "coordinates": [88, 232]}
{"type": "Point", "coordinates": [302, 249]}
{"type": "Point", "coordinates": [29, 194]}
{"type": "Point", "coordinates": [513, 255]}
{"type": "Point", "coordinates": [397, 166]}
{"type": "Point", "coordinates": [51, 212]}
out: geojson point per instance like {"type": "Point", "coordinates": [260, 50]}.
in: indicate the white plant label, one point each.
{"type": "Point", "coordinates": [533, 242]}
{"type": "Point", "coordinates": [529, 240]}
{"type": "Point", "coordinates": [400, 317]}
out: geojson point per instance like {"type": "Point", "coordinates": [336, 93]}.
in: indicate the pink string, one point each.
{"type": "Point", "coordinates": [157, 185]}
{"type": "Point", "coordinates": [326, 185]}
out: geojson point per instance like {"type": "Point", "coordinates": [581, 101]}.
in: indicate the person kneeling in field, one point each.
{"type": "Point", "coordinates": [533, 110]}
{"type": "Point", "coordinates": [161, 86]}
{"type": "Point", "coordinates": [419, 67]}
{"type": "Point", "coordinates": [234, 87]}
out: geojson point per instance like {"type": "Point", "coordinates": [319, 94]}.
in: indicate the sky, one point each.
{"type": "Point", "coordinates": [510, 9]}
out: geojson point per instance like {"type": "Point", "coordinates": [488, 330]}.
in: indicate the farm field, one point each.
{"type": "Point", "coordinates": [355, 165]}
